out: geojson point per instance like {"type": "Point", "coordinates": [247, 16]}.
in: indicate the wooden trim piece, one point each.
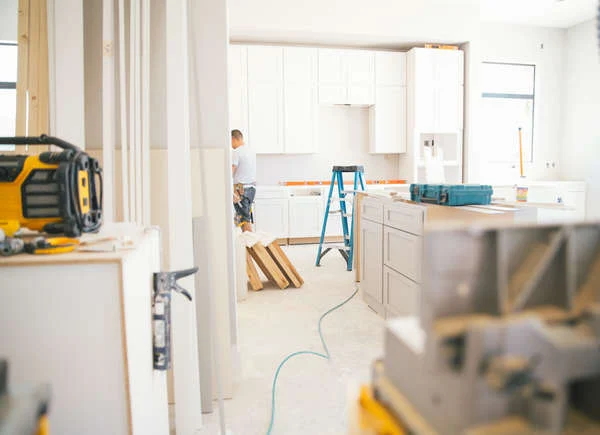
{"type": "Point", "coordinates": [285, 264]}
{"type": "Point", "coordinates": [253, 278]}
{"type": "Point", "coordinates": [43, 76]}
{"type": "Point", "coordinates": [33, 70]}
{"type": "Point", "coordinates": [267, 265]}
{"type": "Point", "coordinates": [314, 240]}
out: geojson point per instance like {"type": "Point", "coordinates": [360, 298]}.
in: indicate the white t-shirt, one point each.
{"type": "Point", "coordinates": [244, 159]}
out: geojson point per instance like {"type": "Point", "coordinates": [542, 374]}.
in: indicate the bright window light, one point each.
{"type": "Point", "coordinates": [508, 102]}
{"type": "Point", "coordinates": [8, 92]}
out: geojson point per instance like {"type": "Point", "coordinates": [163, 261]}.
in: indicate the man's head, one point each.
{"type": "Point", "coordinates": [237, 139]}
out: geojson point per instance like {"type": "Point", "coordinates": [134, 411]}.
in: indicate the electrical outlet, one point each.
{"type": "Point", "coordinates": [553, 164]}
{"type": "Point", "coordinates": [548, 163]}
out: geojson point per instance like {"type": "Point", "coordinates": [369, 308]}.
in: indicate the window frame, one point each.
{"type": "Point", "coordinates": [510, 96]}
{"type": "Point", "coordinates": [8, 85]}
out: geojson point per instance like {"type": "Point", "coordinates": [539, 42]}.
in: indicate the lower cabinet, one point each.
{"type": "Point", "coordinates": [371, 263]}
{"type": "Point", "coordinates": [271, 216]}
{"type": "Point", "coordinates": [305, 216]}
{"type": "Point", "coordinates": [401, 294]}
{"type": "Point", "coordinates": [402, 252]}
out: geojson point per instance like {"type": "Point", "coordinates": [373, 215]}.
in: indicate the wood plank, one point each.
{"type": "Point", "coordinates": [253, 278]}
{"type": "Point", "coordinates": [285, 264]}
{"type": "Point", "coordinates": [44, 76]}
{"type": "Point", "coordinates": [23, 63]}
{"type": "Point", "coordinates": [314, 240]}
{"type": "Point", "coordinates": [34, 72]}
{"type": "Point", "coordinates": [267, 265]}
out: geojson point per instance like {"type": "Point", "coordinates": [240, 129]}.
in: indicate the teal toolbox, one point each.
{"type": "Point", "coordinates": [452, 194]}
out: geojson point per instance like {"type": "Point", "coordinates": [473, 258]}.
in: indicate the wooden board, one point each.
{"type": "Point", "coordinates": [314, 240]}
{"type": "Point", "coordinates": [268, 266]}
{"type": "Point", "coordinates": [253, 278]}
{"type": "Point", "coordinates": [285, 264]}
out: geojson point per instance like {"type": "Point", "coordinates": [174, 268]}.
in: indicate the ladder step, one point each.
{"type": "Point", "coordinates": [336, 246]}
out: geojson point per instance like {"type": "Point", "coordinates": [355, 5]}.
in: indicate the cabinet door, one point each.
{"type": "Point", "coordinates": [300, 100]}
{"type": "Point", "coordinates": [400, 293]}
{"type": "Point", "coordinates": [360, 71]}
{"type": "Point", "coordinates": [238, 89]}
{"type": "Point", "coordinates": [305, 217]}
{"type": "Point", "coordinates": [389, 123]}
{"type": "Point", "coordinates": [265, 64]}
{"type": "Point", "coordinates": [449, 108]}
{"type": "Point", "coordinates": [300, 65]}
{"type": "Point", "coordinates": [425, 106]}
{"type": "Point", "coordinates": [390, 69]}
{"type": "Point", "coordinates": [402, 252]}
{"type": "Point", "coordinates": [371, 261]}
{"type": "Point", "coordinates": [264, 117]}
{"type": "Point", "coordinates": [271, 216]}
{"type": "Point", "coordinates": [449, 66]}
{"type": "Point", "coordinates": [331, 67]}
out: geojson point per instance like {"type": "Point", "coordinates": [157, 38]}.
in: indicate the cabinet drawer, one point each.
{"type": "Point", "coordinates": [402, 252]}
{"type": "Point", "coordinates": [372, 209]}
{"type": "Point", "coordinates": [400, 293]}
{"type": "Point", "coordinates": [404, 217]}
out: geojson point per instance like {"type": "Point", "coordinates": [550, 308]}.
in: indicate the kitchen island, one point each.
{"type": "Point", "coordinates": [389, 243]}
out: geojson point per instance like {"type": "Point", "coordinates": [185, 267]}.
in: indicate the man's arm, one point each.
{"type": "Point", "coordinates": [233, 169]}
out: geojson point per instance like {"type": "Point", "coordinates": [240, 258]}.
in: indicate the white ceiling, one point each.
{"type": "Point", "coordinates": [546, 13]}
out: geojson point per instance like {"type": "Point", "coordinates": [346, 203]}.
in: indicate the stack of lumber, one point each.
{"type": "Point", "coordinates": [270, 258]}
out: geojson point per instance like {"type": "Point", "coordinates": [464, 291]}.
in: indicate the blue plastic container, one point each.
{"type": "Point", "coordinates": [452, 194]}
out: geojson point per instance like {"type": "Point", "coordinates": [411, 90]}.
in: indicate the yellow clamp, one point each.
{"type": "Point", "coordinates": [54, 245]}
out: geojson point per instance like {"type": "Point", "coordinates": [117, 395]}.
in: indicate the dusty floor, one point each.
{"type": "Point", "coordinates": [312, 393]}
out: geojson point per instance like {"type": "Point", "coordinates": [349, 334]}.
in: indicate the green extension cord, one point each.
{"type": "Point", "coordinates": [325, 355]}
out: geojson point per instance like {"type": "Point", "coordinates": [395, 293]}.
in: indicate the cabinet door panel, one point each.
{"type": "Point", "coordinates": [390, 120]}
{"type": "Point", "coordinates": [238, 89]}
{"type": "Point", "coordinates": [300, 118]}
{"type": "Point", "coordinates": [265, 64]}
{"type": "Point", "coordinates": [390, 69]}
{"type": "Point", "coordinates": [449, 66]}
{"type": "Point", "coordinates": [264, 122]}
{"type": "Point", "coordinates": [401, 294]}
{"type": "Point", "coordinates": [402, 252]}
{"type": "Point", "coordinates": [358, 94]}
{"type": "Point", "coordinates": [333, 94]}
{"type": "Point", "coordinates": [360, 67]}
{"type": "Point", "coordinates": [305, 217]}
{"type": "Point", "coordinates": [299, 65]}
{"type": "Point", "coordinates": [271, 216]}
{"type": "Point", "coordinates": [331, 67]}
{"type": "Point", "coordinates": [371, 263]}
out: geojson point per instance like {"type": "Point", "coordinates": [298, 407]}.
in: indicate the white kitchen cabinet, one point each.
{"type": "Point", "coordinates": [388, 121]}
{"type": "Point", "coordinates": [271, 216]}
{"type": "Point", "coordinates": [305, 216]}
{"type": "Point", "coordinates": [238, 89]}
{"type": "Point", "coordinates": [371, 264]}
{"type": "Point", "coordinates": [265, 98]}
{"type": "Point", "coordinates": [346, 77]}
{"type": "Point", "coordinates": [300, 100]}
{"type": "Point", "coordinates": [401, 294]}
{"type": "Point", "coordinates": [390, 68]}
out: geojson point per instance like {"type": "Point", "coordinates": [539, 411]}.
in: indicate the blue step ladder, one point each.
{"type": "Point", "coordinates": [338, 179]}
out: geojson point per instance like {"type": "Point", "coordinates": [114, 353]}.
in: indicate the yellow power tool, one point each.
{"type": "Point", "coordinates": [54, 192]}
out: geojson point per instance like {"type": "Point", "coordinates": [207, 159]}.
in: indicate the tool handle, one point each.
{"type": "Point", "coordinates": [178, 274]}
{"type": "Point", "coordinates": [38, 140]}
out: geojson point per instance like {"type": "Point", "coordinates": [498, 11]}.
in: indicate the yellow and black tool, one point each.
{"type": "Point", "coordinates": [54, 192]}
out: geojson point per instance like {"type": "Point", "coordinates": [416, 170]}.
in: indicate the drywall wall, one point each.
{"type": "Point", "coordinates": [545, 48]}
{"type": "Point", "coordinates": [353, 22]}
{"type": "Point", "coordinates": [343, 139]}
{"type": "Point", "coordinates": [8, 20]}
{"type": "Point", "coordinates": [580, 151]}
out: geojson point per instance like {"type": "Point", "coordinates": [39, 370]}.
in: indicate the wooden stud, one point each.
{"type": "Point", "coordinates": [23, 63]}
{"type": "Point", "coordinates": [44, 76]}
{"type": "Point", "coordinates": [285, 264]}
{"type": "Point", "coordinates": [267, 265]}
{"type": "Point", "coordinates": [253, 278]}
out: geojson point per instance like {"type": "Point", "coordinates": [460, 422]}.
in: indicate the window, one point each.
{"type": "Point", "coordinates": [508, 102]}
{"type": "Point", "coordinates": [8, 91]}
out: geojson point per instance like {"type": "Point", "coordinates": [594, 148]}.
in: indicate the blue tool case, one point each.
{"type": "Point", "coordinates": [451, 194]}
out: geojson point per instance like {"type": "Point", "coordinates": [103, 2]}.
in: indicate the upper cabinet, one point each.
{"type": "Point", "coordinates": [300, 108]}
{"type": "Point", "coordinates": [388, 115]}
{"type": "Point", "coordinates": [265, 98]}
{"type": "Point", "coordinates": [238, 89]}
{"type": "Point", "coordinates": [346, 77]}
{"type": "Point", "coordinates": [436, 80]}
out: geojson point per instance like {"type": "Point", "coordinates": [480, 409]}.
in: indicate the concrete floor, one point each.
{"type": "Point", "coordinates": [312, 393]}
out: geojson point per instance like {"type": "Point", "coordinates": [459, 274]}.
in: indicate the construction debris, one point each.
{"type": "Point", "coordinates": [263, 250]}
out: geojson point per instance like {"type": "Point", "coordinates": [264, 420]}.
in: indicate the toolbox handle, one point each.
{"type": "Point", "coordinates": [38, 140]}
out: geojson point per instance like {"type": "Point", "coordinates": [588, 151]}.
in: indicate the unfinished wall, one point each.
{"type": "Point", "coordinates": [580, 152]}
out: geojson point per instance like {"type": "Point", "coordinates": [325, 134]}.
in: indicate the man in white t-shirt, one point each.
{"type": "Point", "coordinates": [243, 166]}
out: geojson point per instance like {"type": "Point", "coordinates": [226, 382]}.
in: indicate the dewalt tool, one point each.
{"type": "Point", "coordinates": [54, 192]}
